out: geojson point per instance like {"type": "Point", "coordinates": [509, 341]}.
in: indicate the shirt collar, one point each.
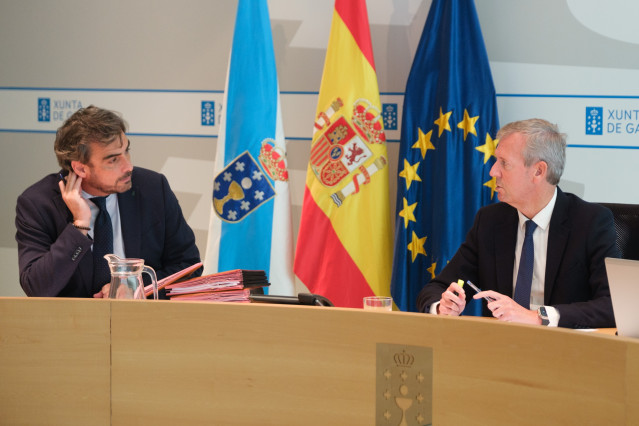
{"type": "Point", "coordinates": [542, 219]}
{"type": "Point", "coordinates": [88, 196]}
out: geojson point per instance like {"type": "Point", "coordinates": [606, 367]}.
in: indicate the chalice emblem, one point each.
{"type": "Point", "coordinates": [403, 403]}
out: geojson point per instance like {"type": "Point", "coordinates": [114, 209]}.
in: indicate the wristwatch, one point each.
{"type": "Point", "coordinates": [543, 315]}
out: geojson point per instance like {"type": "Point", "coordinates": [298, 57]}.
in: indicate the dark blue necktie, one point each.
{"type": "Point", "coordinates": [102, 244]}
{"type": "Point", "coordinates": [525, 272]}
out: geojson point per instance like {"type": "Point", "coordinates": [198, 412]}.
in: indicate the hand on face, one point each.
{"type": "Point", "coordinates": [506, 309]}
{"type": "Point", "coordinates": [71, 191]}
{"type": "Point", "coordinates": [453, 300]}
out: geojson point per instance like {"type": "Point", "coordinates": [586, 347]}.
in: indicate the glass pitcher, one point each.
{"type": "Point", "coordinates": [126, 278]}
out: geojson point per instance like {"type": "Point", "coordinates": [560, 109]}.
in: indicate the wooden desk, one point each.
{"type": "Point", "coordinates": [216, 363]}
{"type": "Point", "coordinates": [55, 365]}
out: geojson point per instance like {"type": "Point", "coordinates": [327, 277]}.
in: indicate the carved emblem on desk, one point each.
{"type": "Point", "coordinates": [404, 385]}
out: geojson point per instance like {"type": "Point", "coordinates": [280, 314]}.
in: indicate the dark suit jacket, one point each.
{"type": "Point", "coordinates": [581, 235]}
{"type": "Point", "coordinates": [55, 258]}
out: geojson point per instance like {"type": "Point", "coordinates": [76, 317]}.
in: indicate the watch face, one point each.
{"type": "Point", "coordinates": [543, 315]}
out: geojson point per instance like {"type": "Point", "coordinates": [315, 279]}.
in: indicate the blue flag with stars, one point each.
{"type": "Point", "coordinates": [446, 150]}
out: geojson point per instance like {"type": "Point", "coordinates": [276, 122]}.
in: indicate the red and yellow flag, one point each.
{"type": "Point", "coordinates": [344, 246]}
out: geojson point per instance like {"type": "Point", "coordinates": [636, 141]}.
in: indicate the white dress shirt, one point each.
{"type": "Point", "coordinates": [540, 242]}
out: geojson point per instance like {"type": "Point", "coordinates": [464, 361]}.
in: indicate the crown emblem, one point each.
{"type": "Point", "coordinates": [273, 159]}
{"type": "Point", "coordinates": [368, 121]}
{"type": "Point", "coordinates": [404, 359]}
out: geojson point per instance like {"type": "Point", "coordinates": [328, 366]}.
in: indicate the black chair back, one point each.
{"type": "Point", "coordinates": [626, 218]}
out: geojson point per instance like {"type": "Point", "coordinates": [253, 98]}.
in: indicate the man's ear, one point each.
{"type": "Point", "coordinates": [540, 169]}
{"type": "Point", "coordinates": [79, 168]}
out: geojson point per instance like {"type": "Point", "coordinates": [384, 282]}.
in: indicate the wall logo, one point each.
{"type": "Point", "coordinates": [56, 110]}
{"type": "Point", "coordinates": [208, 113]}
{"type": "Point", "coordinates": [389, 112]}
{"type": "Point", "coordinates": [618, 121]}
{"type": "Point", "coordinates": [44, 109]}
{"type": "Point", "coordinates": [594, 120]}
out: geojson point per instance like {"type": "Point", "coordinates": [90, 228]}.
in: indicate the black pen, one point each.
{"type": "Point", "coordinates": [477, 290]}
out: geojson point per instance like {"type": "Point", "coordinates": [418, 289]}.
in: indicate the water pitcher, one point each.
{"type": "Point", "coordinates": [126, 278]}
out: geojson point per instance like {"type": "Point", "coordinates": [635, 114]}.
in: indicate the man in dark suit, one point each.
{"type": "Point", "coordinates": [55, 217]}
{"type": "Point", "coordinates": [559, 267]}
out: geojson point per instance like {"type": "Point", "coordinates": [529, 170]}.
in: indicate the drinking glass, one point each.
{"type": "Point", "coordinates": [378, 303]}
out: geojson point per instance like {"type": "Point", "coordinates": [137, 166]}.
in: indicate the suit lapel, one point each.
{"type": "Point", "coordinates": [557, 239]}
{"type": "Point", "coordinates": [130, 220]}
{"type": "Point", "coordinates": [505, 241]}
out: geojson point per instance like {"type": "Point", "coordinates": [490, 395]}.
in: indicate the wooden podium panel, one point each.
{"type": "Point", "coordinates": [265, 364]}
{"type": "Point", "coordinates": [204, 363]}
{"type": "Point", "coordinates": [66, 361]}
{"type": "Point", "coordinates": [54, 362]}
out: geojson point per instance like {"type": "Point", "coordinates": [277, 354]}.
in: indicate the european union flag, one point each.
{"type": "Point", "coordinates": [446, 150]}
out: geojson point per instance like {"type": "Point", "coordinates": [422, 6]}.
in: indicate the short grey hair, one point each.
{"type": "Point", "coordinates": [544, 143]}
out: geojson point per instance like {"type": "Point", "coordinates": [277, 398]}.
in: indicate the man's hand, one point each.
{"type": "Point", "coordinates": [72, 195]}
{"type": "Point", "coordinates": [104, 293]}
{"type": "Point", "coordinates": [506, 309]}
{"type": "Point", "coordinates": [453, 301]}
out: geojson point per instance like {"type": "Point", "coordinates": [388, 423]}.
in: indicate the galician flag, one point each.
{"type": "Point", "coordinates": [344, 246]}
{"type": "Point", "coordinates": [250, 226]}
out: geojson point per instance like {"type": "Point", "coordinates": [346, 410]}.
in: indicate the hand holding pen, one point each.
{"type": "Point", "coordinates": [453, 300]}
{"type": "Point", "coordinates": [478, 291]}
{"type": "Point", "coordinates": [503, 307]}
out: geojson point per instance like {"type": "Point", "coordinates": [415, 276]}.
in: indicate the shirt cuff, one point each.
{"type": "Point", "coordinates": [553, 316]}
{"type": "Point", "coordinates": [433, 308]}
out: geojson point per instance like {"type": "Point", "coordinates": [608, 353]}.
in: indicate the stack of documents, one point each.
{"type": "Point", "coordinates": [148, 290]}
{"type": "Point", "coordinates": [229, 286]}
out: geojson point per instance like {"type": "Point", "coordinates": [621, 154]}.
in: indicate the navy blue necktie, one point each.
{"type": "Point", "coordinates": [102, 244]}
{"type": "Point", "coordinates": [525, 272]}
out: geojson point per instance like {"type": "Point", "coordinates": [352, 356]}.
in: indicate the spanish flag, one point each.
{"type": "Point", "coordinates": [344, 246]}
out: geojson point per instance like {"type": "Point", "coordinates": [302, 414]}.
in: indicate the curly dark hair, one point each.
{"type": "Point", "coordinates": [91, 124]}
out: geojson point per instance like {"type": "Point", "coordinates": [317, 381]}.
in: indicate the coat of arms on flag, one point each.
{"type": "Point", "coordinates": [273, 159]}
{"type": "Point", "coordinates": [240, 188]}
{"type": "Point", "coordinates": [342, 147]}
